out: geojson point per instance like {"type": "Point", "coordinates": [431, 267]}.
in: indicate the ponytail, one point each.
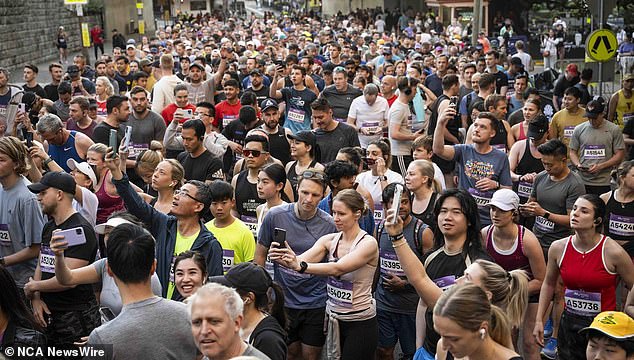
{"type": "Point", "coordinates": [499, 328]}
{"type": "Point", "coordinates": [518, 297]}
{"type": "Point", "coordinates": [277, 305]}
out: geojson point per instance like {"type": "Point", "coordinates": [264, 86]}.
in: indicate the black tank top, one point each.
{"type": "Point", "coordinates": [293, 177]}
{"type": "Point", "coordinates": [500, 137]}
{"type": "Point", "coordinates": [247, 199]}
{"type": "Point", "coordinates": [427, 216]}
{"type": "Point", "coordinates": [528, 164]}
{"type": "Point", "coordinates": [619, 222]}
{"type": "Point", "coordinates": [279, 146]}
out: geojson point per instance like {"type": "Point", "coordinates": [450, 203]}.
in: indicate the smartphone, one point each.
{"type": "Point", "coordinates": [370, 161]}
{"type": "Point", "coordinates": [453, 101]}
{"type": "Point", "coordinates": [396, 201]}
{"type": "Point", "coordinates": [28, 136]}
{"type": "Point", "coordinates": [583, 168]}
{"type": "Point", "coordinates": [279, 236]}
{"type": "Point", "coordinates": [73, 237]}
{"type": "Point", "coordinates": [188, 113]}
{"type": "Point", "coordinates": [114, 144]}
{"type": "Point", "coordinates": [22, 107]}
{"type": "Point", "coordinates": [126, 137]}
{"type": "Point", "coordinates": [278, 63]}
{"type": "Point", "coordinates": [106, 314]}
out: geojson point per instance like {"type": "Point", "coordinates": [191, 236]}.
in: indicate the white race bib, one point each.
{"type": "Point", "coordinates": [296, 115]}
{"type": "Point", "coordinates": [47, 260]}
{"type": "Point", "coordinates": [594, 152]}
{"type": "Point", "coordinates": [582, 303]}
{"type": "Point", "coordinates": [543, 224]}
{"type": "Point", "coordinates": [524, 189]}
{"type": "Point", "coordinates": [5, 238]}
{"type": "Point", "coordinates": [252, 223]}
{"type": "Point", "coordinates": [622, 225]}
{"type": "Point", "coordinates": [568, 131]}
{"type": "Point", "coordinates": [340, 292]}
{"type": "Point", "coordinates": [482, 198]}
{"type": "Point", "coordinates": [390, 263]}
{"type": "Point", "coordinates": [227, 259]}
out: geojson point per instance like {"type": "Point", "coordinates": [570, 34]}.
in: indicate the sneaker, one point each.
{"type": "Point", "coordinates": [550, 349]}
{"type": "Point", "coordinates": [548, 329]}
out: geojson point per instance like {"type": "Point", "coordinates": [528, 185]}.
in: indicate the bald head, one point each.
{"type": "Point", "coordinates": [388, 86]}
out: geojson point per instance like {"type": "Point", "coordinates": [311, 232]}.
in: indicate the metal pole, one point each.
{"type": "Point", "coordinates": [600, 63]}
{"type": "Point", "coordinates": [475, 30]}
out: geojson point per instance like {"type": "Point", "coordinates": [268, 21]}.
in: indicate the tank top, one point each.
{"type": "Point", "coordinates": [619, 222]}
{"type": "Point", "coordinates": [427, 215]}
{"type": "Point", "coordinates": [590, 287]}
{"type": "Point", "coordinates": [499, 141]}
{"type": "Point", "coordinates": [107, 204]}
{"type": "Point", "coordinates": [293, 176]}
{"type": "Point", "coordinates": [624, 109]}
{"type": "Point", "coordinates": [350, 292]}
{"type": "Point", "coordinates": [61, 153]}
{"type": "Point", "coordinates": [528, 164]}
{"type": "Point", "coordinates": [247, 200]}
{"type": "Point", "coordinates": [522, 133]}
{"type": "Point", "coordinates": [513, 258]}
{"type": "Point", "coordinates": [279, 146]}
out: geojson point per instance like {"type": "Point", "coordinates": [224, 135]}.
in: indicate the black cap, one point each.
{"type": "Point", "coordinates": [197, 65]}
{"type": "Point", "coordinates": [72, 69]}
{"type": "Point", "coordinates": [55, 179]}
{"type": "Point", "coordinates": [537, 127]}
{"type": "Point", "coordinates": [256, 72]}
{"type": "Point", "coordinates": [246, 276]}
{"type": "Point", "coordinates": [594, 108]}
{"type": "Point", "coordinates": [269, 103]}
{"type": "Point", "coordinates": [305, 136]}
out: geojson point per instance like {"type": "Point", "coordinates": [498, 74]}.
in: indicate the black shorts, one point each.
{"type": "Point", "coordinates": [67, 327]}
{"type": "Point", "coordinates": [307, 326]}
{"type": "Point", "coordinates": [571, 345]}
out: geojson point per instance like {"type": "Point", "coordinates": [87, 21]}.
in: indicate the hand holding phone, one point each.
{"type": "Point", "coordinates": [73, 237]}
{"type": "Point", "coordinates": [396, 202]}
{"type": "Point", "coordinates": [279, 236]}
{"type": "Point", "coordinates": [453, 101]}
{"type": "Point", "coordinates": [114, 143]}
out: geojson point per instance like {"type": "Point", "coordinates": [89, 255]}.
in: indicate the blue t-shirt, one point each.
{"type": "Point", "coordinates": [298, 112]}
{"type": "Point", "coordinates": [301, 291]}
{"type": "Point", "coordinates": [473, 166]}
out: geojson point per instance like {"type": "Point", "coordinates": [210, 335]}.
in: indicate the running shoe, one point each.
{"type": "Point", "coordinates": [550, 350]}
{"type": "Point", "coordinates": [548, 329]}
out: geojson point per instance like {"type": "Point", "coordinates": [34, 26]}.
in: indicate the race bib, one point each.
{"type": "Point", "coordinates": [227, 260]}
{"type": "Point", "coordinates": [136, 149]}
{"type": "Point", "coordinates": [252, 224]}
{"type": "Point", "coordinates": [390, 264]}
{"type": "Point", "coordinates": [371, 126]}
{"type": "Point", "coordinates": [5, 239]}
{"type": "Point", "coordinates": [378, 213]}
{"type": "Point", "coordinates": [172, 269]}
{"type": "Point", "coordinates": [47, 260]}
{"type": "Point", "coordinates": [445, 282]}
{"type": "Point", "coordinates": [543, 224]}
{"type": "Point", "coordinates": [582, 303]}
{"type": "Point", "coordinates": [268, 266]}
{"type": "Point", "coordinates": [627, 117]}
{"type": "Point", "coordinates": [226, 119]}
{"type": "Point", "coordinates": [339, 119]}
{"type": "Point", "coordinates": [524, 189]}
{"type": "Point", "coordinates": [340, 292]}
{"type": "Point", "coordinates": [568, 131]}
{"type": "Point", "coordinates": [594, 152]}
{"type": "Point", "coordinates": [501, 147]}
{"type": "Point", "coordinates": [622, 225]}
{"type": "Point", "coordinates": [482, 198]}
{"type": "Point", "coordinates": [296, 115]}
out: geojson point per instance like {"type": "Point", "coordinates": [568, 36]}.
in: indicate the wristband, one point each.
{"type": "Point", "coordinates": [397, 237]}
{"type": "Point", "coordinates": [302, 267]}
{"type": "Point", "coordinates": [48, 161]}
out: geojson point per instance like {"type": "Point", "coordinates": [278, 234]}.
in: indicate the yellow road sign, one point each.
{"type": "Point", "coordinates": [601, 45]}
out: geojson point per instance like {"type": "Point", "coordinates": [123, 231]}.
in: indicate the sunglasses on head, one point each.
{"type": "Point", "coordinates": [314, 175]}
{"type": "Point", "coordinates": [254, 153]}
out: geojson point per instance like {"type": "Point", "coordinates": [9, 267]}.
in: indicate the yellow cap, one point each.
{"type": "Point", "coordinates": [614, 324]}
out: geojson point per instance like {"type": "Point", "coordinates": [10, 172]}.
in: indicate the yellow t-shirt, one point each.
{"type": "Point", "coordinates": [238, 243]}
{"type": "Point", "coordinates": [183, 243]}
{"type": "Point", "coordinates": [624, 109]}
{"type": "Point", "coordinates": [565, 122]}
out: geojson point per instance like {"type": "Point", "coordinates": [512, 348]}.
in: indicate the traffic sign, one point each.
{"type": "Point", "coordinates": [601, 45]}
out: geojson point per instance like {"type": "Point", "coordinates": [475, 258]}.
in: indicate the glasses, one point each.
{"type": "Point", "coordinates": [339, 69]}
{"type": "Point", "coordinates": [254, 153]}
{"type": "Point", "coordinates": [314, 175]}
{"type": "Point", "coordinates": [202, 114]}
{"type": "Point", "coordinates": [183, 192]}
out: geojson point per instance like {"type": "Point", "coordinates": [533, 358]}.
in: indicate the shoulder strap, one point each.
{"type": "Point", "coordinates": [418, 235]}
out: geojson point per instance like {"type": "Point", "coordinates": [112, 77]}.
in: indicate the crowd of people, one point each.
{"type": "Point", "coordinates": [301, 188]}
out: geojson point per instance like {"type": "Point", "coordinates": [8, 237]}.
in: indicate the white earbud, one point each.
{"type": "Point", "coordinates": [483, 334]}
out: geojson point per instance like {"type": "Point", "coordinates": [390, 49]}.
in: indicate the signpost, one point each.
{"type": "Point", "coordinates": [601, 45]}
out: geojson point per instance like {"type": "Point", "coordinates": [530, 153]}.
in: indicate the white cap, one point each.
{"type": "Point", "coordinates": [84, 168]}
{"type": "Point", "coordinates": [505, 200]}
{"type": "Point", "coordinates": [114, 222]}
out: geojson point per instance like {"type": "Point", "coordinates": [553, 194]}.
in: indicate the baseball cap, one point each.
{"type": "Point", "coordinates": [130, 46]}
{"type": "Point", "coordinates": [197, 65]}
{"type": "Point", "coordinates": [256, 72]}
{"type": "Point", "coordinates": [572, 68]}
{"type": "Point", "coordinates": [112, 223]}
{"type": "Point", "coordinates": [505, 199]}
{"type": "Point", "coordinates": [145, 62]}
{"type": "Point", "coordinates": [628, 76]}
{"type": "Point", "coordinates": [268, 103]}
{"type": "Point", "coordinates": [538, 127]}
{"type": "Point", "coordinates": [614, 324]}
{"type": "Point", "coordinates": [72, 69]}
{"type": "Point", "coordinates": [386, 50]}
{"type": "Point", "coordinates": [54, 179]}
{"type": "Point", "coordinates": [304, 136]}
{"type": "Point", "coordinates": [84, 168]}
{"type": "Point", "coordinates": [246, 276]}
{"type": "Point", "coordinates": [594, 108]}
{"type": "Point", "coordinates": [131, 41]}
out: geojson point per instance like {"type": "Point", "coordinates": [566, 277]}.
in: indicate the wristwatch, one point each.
{"type": "Point", "coordinates": [546, 215]}
{"type": "Point", "coordinates": [382, 178]}
{"type": "Point", "coordinates": [302, 267]}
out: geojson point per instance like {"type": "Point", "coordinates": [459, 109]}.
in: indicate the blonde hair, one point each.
{"type": "Point", "coordinates": [14, 148]}
{"type": "Point", "coordinates": [353, 200]}
{"type": "Point", "coordinates": [468, 306]}
{"type": "Point", "coordinates": [426, 168]}
{"type": "Point", "coordinates": [178, 172]}
{"type": "Point", "coordinates": [509, 290]}
{"type": "Point", "coordinates": [99, 148]}
{"type": "Point", "coordinates": [109, 88]}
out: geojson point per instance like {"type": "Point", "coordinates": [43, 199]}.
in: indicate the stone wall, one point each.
{"type": "Point", "coordinates": [28, 30]}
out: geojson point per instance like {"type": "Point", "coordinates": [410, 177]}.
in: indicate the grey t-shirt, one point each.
{"type": "Point", "coordinates": [110, 296]}
{"type": "Point", "coordinates": [153, 328]}
{"type": "Point", "coordinates": [21, 223]}
{"type": "Point", "coordinates": [340, 101]}
{"type": "Point", "coordinates": [400, 114]}
{"type": "Point", "coordinates": [301, 291]}
{"type": "Point", "coordinates": [330, 142]}
{"type": "Point", "coordinates": [152, 127]}
{"type": "Point", "coordinates": [473, 166]}
{"type": "Point", "coordinates": [556, 197]}
{"type": "Point", "coordinates": [251, 351]}
{"type": "Point", "coordinates": [595, 146]}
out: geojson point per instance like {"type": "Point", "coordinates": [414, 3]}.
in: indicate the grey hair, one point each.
{"type": "Point", "coordinates": [106, 82]}
{"type": "Point", "coordinates": [371, 89]}
{"type": "Point", "coordinates": [233, 302]}
{"type": "Point", "coordinates": [5, 71]}
{"type": "Point", "coordinates": [49, 123]}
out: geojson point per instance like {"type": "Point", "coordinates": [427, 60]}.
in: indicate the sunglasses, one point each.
{"type": "Point", "coordinates": [254, 153]}
{"type": "Point", "coordinates": [370, 161]}
{"type": "Point", "coordinates": [314, 175]}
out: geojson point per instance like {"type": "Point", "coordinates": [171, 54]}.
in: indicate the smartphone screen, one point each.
{"type": "Point", "coordinates": [396, 202]}
{"type": "Point", "coordinates": [279, 236]}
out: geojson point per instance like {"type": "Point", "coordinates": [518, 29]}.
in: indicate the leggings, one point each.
{"type": "Point", "coordinates": [358, 339]}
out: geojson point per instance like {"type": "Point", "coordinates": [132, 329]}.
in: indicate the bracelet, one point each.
{"type": "Point", "coordinates": [397, 237]}
{"type": "Point", "coordinates": [48, 161]}
{"type": "Point", "coordinates": [399, 243]}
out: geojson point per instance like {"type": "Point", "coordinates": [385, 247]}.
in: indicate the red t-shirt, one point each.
{"type": "Point", "coordinates": [168, 112]}
{"type": "Point", "coordinates": [391, 100]}
{"type": "Point", "coordinates": [96, 35]}
{"type": "Point", "coordinates": [226, 113]}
